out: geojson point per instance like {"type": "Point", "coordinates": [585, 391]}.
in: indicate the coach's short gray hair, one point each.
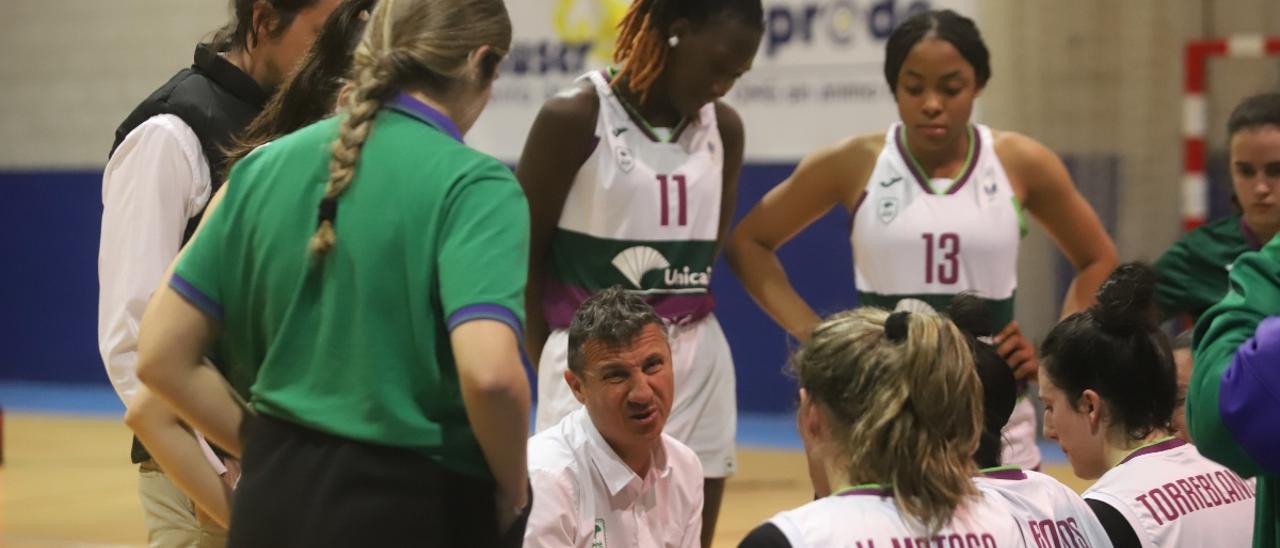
{"type": "Point", "coordinates": [613, 317]}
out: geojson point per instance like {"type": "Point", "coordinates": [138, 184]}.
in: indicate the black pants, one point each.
{"type": "Point", "coordinates": [303, 488]}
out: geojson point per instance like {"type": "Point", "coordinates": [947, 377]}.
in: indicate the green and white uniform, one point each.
{"type": "Point", "coordinates": [643, 213]}
{"type": "Point", "coordinates": [930, 239]}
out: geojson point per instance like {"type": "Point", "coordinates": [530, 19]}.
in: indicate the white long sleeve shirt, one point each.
{"type": "Point", "coordinates": [154, 183]}
{"type": "Point", "coordinates": [585, 496]}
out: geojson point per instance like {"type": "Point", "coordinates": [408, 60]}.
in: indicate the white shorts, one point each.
{"type": "Point", "coordinates": [1020, 437]}
{"type": "Point", "coordinates": [704, 415]}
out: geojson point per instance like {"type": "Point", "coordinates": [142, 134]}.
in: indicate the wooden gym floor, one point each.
{"type": "Point", "coordinates": [65, 482]}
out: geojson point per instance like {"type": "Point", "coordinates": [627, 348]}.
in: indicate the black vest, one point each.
{"type": "Point", "coordinates": [217, 100]}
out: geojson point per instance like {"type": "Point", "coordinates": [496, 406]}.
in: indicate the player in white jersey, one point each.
{"type": "Point", "coordinates": [891, 412]}
{"type": "Point", "coordinates": [631, 178]}
{"type": "Point", "coordinates": [1049, 513]}
{"type": "Point", "coordinates": [1109, 389]}
{"type": "Point", "coordinates": [936, 202]}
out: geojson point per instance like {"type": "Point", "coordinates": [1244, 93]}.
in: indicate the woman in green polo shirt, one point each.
{"type": "Point", "coordinates": [381, 344]}
{"type": "Point", "coordinates": [1193, 272]}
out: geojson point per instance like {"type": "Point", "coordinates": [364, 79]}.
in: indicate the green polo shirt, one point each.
{"type": "Point", "coordinates": [430, 234]}
{"type": "Point", "coordinates": [1193, 272]}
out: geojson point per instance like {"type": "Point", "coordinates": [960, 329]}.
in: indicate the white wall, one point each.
{"type": "Point", "coordinates": [73, 69]}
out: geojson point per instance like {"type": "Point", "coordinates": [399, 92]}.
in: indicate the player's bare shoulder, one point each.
{"type": "Point", "coordinates": [849, 164]}
{"type": "Point", "coordinates": [573, 107]}
{"type": "Point", "coordinates": [864, 149]}
{"type": "Point", "coordinates": [1028, 162]}
{"type": "Point", "coordinates": [565, 126]}
{"type": "Point", "coordinates": [1015, 149]}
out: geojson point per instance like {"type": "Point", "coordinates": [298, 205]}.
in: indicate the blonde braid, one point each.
{"type": "Point", "coordinates": [407, 44]}
{"type": "Point", "coordinates": [363, 104]}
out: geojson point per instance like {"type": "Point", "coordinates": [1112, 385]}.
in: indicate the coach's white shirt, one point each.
{"type": "Point", "coordinates": [585, 496]}
{"type": "Point", "coordinates": [154, 183]}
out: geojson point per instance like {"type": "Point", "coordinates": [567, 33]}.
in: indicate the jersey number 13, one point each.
{"type": "Point", "coordinates": [941, 257]}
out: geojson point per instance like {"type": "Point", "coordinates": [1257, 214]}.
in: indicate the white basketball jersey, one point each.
{"type": "Point", "coordinates": [930, 239]}
{"type": "Point", "coordinates": [643, 213]}
{"type": "Point", "coordinates": [868, 518]}
{"type": "Point", "coordinates": [1051, 514]}
{"type": "Point", "coordinates": [1173, 496]}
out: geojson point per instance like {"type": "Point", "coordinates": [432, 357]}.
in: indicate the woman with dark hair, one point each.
{"type": "Point", "coordinates": [631, 177]}
{"type": "Point", "coordinates": [937, 205]}
{"type": "Point", "coordinates": [1193, 272]}
{"type": "Point", "coordinates": [309, 95]}
{"type": "Point", "coordinates": [1109, 390]}
{"type": "Point", "coordinates": [1049, 512]}
{"type": "Point", "coordinates": [165, 163]}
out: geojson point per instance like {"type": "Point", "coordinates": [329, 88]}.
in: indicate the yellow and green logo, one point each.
{"type": "Point", "coordinates": [593, 22]}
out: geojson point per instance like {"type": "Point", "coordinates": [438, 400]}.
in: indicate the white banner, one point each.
{"type": "Point", "coordinates": [817, 78]}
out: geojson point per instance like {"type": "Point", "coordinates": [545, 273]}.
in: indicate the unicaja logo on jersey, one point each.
{"type": "Point", "coordinates": [686, 277]}
{"type": "Point", "coordinates": [635, 262]}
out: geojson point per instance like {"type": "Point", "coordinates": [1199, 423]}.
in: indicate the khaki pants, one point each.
{"type": "Point", "coordinates": [171, 516]}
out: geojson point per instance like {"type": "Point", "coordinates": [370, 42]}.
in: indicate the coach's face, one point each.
{"type": "Point", "coordinates": [627, 388]}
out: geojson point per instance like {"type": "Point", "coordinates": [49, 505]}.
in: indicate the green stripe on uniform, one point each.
{"type": "Point", "coordinates": [589, 262]}
{"type": "Point", "coordinates": [1022, 216]}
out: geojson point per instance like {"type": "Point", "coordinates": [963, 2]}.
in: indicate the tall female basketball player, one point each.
{"type": "Point", "coordinates": [937, 204]}
{"type": "Point", "coordinates": [631, 177]}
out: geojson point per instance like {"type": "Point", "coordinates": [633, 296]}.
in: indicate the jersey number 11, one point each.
{"type": "Point", "coordinates": [664, 193]}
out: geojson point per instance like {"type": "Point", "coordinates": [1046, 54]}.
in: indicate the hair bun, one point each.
{"type": "Point", "coordinates": [972, 315]}
{"type": "Point", "coordinates": [1126, 300]}
{"type": "Point", "coordinates": [895, 326]}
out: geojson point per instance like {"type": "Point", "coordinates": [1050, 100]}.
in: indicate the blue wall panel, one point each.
{"type": "Point", "coordinates": [49, 226]}
{"type": "Point", "coordinates": [819, 264]}
{"type": "Point", "coordinates": [51, 222]}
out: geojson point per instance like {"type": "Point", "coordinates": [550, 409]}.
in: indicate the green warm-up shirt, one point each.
{"type": "Point", "coordinates": [430, 234]}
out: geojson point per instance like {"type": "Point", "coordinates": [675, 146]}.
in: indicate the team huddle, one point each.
{"type": "Point", "coordinates": [321, 317]}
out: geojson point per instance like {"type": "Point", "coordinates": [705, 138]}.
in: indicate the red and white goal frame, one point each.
{"type": "Point", "coordinates": [1195, 113]}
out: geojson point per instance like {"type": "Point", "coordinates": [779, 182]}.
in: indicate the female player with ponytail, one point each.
{"type": "Point", "coordinates": [380, 330]}
{"type": "Point", "coordinates": [1109, 389]}
{"type": "Point", "coordinates": [631, 177]}
{"type": "Point", "coordinates": [891, 413]}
